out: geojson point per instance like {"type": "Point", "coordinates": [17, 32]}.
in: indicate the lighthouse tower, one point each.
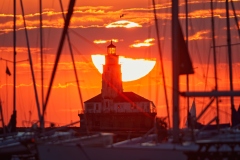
{"type": "Point", "coordinates": [111, 76]}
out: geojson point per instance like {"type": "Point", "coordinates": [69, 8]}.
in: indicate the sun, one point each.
{"type": "Point", "coordinates": [132, 69]}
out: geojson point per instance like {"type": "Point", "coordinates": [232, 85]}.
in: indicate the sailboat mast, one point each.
{"type": "Point", "coordinates": [64, 32]}
{"type": "Point", "coordinates": [214, 60]}
{"type": "Point", "coordinates": [73, 62]}
{"type": "Point", "coordinates": [161, 62]}
{"type": "Point", "coordinates": [175, 71]}
{"type": "Point", "coordinates": [31, 65]}
{"type": "Point", "coordinates": [187, 77]}
{"type": "Point", "coordinates": [14, 64]}
{"type": "Point", "coordinates": [229, 55]}
{"type": "Point", "coordinates": [41, 54]}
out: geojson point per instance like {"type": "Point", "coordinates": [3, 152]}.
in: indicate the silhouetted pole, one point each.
{"type": "Point", "coordinates": [229, 56]}
{"type": "Point", "coordinates": [215, 61]}
{"type": "Point", "coordinates": [175, 71]}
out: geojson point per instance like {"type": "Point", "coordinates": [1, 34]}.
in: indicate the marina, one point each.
{"type": "Point", "coordinates": [118, 119]}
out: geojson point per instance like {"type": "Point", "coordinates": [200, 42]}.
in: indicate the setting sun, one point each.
{"type": "Point", "coordinates": [132, 69]}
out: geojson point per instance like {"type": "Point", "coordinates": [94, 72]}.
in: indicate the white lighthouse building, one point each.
{"type": "Point", "coordinates": [113, 109]}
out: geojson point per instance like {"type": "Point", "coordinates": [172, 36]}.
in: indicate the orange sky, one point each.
{"type": "Point", "coordinates": [93, 26]}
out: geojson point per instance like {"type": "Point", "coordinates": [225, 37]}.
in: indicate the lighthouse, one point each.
{"type": "Point", "coordinates": [115, 110]}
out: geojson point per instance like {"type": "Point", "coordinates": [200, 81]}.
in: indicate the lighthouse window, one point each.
{"type": "Point", "coordinates": [96, 106]}
{"type": "Point", "coordinates": [111, 50]}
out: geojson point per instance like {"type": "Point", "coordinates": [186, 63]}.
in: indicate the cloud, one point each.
{"type": "Point", "coordinates": [145, 43]}
{"type": "Point", "coordinates": [201, 13]}
{"type": "Point", "coordinates": [200, 35]}
{"type": "Point", "coordinates": [100, 41]}
{"type": "Point", "coordinates": [105, 14]}
{"type": "Point", "coordinates": [124, 24]}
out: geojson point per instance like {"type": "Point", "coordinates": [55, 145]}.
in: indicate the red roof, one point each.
{"type": "Point", "coordinates": [123, 97]}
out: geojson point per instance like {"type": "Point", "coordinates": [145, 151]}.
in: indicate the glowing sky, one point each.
{"type": "Point", "coordinates": [130, 25]}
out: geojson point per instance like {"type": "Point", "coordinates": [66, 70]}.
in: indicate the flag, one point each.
{"type": "Point", "coordinates": [235, 116]}
{"type": "Point", "coordinates": [192, 116]}
{"type": "Point", "coordinates": [184, 58]}
{"type": "Point", "coordinates": [193, 110]}
{"type": "Point", "coordinates": [8, 71]}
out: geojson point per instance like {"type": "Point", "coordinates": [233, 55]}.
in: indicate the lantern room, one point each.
{"type": "Point", "coordinates": [111, 49]}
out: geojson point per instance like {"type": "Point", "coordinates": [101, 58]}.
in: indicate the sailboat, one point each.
{"type": "Point", "coordinates": [224, 142]}
{"type": "Point", "coordinates": [11, 140]}
{"type": "Point", "coordinates": [20, 143]}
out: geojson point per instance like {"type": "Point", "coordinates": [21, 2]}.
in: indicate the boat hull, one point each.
{"type": "Point", "coordinates": [76, 152]}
